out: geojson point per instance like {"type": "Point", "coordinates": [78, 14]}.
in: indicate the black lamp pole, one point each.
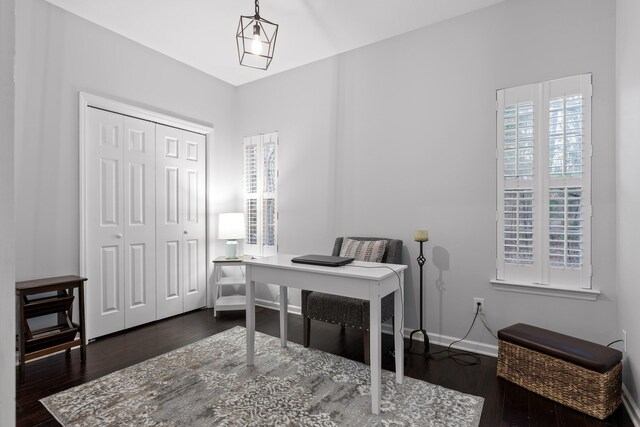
{"type": "Point", "coordinates": [421, 261]}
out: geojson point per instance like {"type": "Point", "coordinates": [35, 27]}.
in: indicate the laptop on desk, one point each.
{"type": "Point", "coordinates": [326, 260]}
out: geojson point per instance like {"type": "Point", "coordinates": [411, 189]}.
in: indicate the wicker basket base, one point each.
{"type": "Point", "coordinates": [579, 388]}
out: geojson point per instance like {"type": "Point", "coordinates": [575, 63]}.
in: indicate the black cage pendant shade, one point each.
{"type": "Point", "coordinates": [256, 40]}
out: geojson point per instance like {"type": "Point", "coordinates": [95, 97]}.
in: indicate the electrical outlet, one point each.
{"type": "Point", "coordinates": [624, 337]}
{"type": "Point", "coordinates": [477, 301]}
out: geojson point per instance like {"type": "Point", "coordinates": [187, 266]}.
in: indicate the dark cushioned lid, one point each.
{"type": "Point", "coordinates": [589, 355]}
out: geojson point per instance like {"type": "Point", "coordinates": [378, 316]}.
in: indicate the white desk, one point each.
{"type": "Point", "coordinates": [351, 281]}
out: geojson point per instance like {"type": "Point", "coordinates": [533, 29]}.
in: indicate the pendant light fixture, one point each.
{"type": "Point", "coordinates": [256, 40]}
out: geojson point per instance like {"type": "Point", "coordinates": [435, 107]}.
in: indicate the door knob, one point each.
{"type": "Point", "coordinates": [186, 232]}
{"type": "Point", "coordinates": [119, 236]}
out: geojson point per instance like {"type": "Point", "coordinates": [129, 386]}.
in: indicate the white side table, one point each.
{"type": "Point", "coordinates": [236, 301]}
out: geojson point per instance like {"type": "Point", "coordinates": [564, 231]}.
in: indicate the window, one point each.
{"type": "Point", "coordinates": [544, 183]}
{"type": "Point", "coordinates": [260, 193]}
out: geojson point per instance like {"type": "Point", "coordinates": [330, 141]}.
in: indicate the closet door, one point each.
{"type": "Point", "coordinates": [104, 223]}
{"type": "Point", "coordinates": [194, 231]}
{"type": "Point", "coordinates": [143, 210]}
{"type": "Point", "coordinates": [140, 222]}
{"type": "Point", "coordinates": [169, 220]}
{"type": "Point", "coordinates": [180, 221]}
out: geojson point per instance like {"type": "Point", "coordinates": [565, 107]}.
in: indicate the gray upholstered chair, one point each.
{"type": "Point", "coordinates": [346, 311]}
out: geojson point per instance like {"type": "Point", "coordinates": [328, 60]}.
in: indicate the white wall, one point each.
{"type": "Point", "coordinates": [58, 55]}
{"type": "Point", "coordinates": [7, 247]}
{"type": "Point", "coordinates": [400, 135]}
{"type": "Point", "coordinates": [628, 177]}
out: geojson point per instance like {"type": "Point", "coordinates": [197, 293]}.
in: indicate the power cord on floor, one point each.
{"type": "Point", "coordinates": [272, 303]}
{"type": "Point", "coordinates": [459, 356]}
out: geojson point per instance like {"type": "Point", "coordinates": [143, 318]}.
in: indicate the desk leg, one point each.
{"type": "Point", "coordinates": [283, 315]}
{"type": "Point", "coordinates": [251, 320]}
{"type": "Point", "coordinates": [398, 334]}
{"type": "Point", "coordinates": [374, 350]}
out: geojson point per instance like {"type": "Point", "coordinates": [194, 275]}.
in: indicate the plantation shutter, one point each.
{"type": "Point", "coordinates": [567, 146]}
{"type": "Point", "coordinates": [269, 192]}
{"type": "Point", "coordinates": [260, 193]}
{"type": "Point", "coordinates": [251, 148]}
{"type": "Point", "coordinates": [518, 212]}
{"type": "Point", "coordinates": [544, 183]}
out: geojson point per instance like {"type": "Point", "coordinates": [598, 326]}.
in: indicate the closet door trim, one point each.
{"type": "Point", "coordinates": [87, 99]}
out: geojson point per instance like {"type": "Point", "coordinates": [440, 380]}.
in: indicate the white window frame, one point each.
{"type": "Point", "coordinates": [539, 273]}
{"type": "Point", "coordinates": [260, 247]}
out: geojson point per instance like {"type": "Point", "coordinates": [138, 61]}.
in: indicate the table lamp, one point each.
{"type": "Point", "coordinates": [231, 227]}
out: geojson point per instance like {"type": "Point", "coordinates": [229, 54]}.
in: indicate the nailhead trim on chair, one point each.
{"type": "Point", "coordinates": [328, 321]}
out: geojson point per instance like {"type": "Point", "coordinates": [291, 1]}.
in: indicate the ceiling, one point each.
{"type": "Point", "coordinates": [201, 33]}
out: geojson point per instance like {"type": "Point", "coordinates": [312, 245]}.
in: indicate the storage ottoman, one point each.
{"type": "Point", "coordinates": [580, 374]}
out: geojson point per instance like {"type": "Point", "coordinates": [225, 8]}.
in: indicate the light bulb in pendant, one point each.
{"type": "Point", "coordinates": [256, 43]}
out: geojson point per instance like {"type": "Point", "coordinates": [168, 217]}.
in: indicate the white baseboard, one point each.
{"type": "Point", "coordinates": [275, 305]}
{"type": "Point", "coordinates": [473, 346]}
{"type": "Point", "coordinates": [444, 340]}
{"type": "Point", "coordinates": [632, 407]}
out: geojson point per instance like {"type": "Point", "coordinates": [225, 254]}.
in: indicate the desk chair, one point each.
{"type": "Point", "coordinates": [346, 311]}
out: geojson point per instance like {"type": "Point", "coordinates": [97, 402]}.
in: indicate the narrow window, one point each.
{"type": "Point", "coordinates": [544, 183]}
{"type": "Point", "coordinates": [260, 193]}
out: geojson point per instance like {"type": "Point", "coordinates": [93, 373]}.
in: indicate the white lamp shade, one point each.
{"type": "Point", "coordinates": [231, 226]}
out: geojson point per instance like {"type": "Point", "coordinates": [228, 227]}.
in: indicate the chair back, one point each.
{"type": "Point", "coordinates": [392, 253]}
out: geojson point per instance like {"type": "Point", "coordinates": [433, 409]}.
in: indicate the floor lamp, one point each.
{"type": "Point", "coordinates": [421, 236]}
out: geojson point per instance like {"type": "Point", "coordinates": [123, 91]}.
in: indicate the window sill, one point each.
{"type": "Point", "coordinates": [548, 290]}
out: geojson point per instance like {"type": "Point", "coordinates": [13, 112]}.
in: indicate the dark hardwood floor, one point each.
{"type": "Point", "coordinates": [505, 404]}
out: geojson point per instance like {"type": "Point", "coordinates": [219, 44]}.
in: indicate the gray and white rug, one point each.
{"type": "Point", "coordinates": [207, 383]}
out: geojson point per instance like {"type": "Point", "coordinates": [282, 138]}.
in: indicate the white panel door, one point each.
{"type": "Point", "coordinates": [169, 221]}
{"type": "Point", "coordinates": [105, 224]}
{"type": "Point", "coordinates": [140, 222]}
{"type": "Point", "coordinates": [194, 230]}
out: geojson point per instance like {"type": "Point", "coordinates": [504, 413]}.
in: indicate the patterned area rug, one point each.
{"type": "Point", "coordinates": [207, 383]}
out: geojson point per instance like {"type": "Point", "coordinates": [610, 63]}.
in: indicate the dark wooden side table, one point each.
{"type": "Point", "coordinates": [52, 338]}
